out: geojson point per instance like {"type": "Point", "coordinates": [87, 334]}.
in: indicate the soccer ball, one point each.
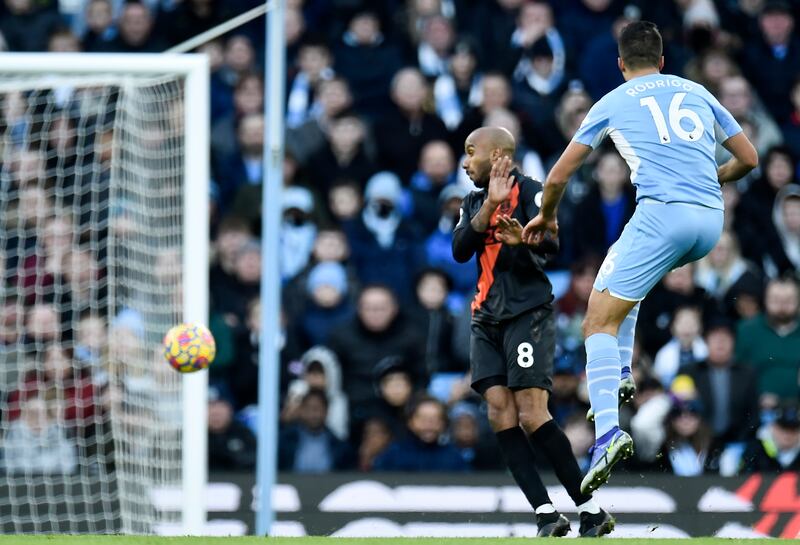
{"type": "Point", "coordinates": [189, 347]}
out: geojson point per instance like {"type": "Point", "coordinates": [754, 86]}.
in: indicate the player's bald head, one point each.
{"type": "Point", "coordinates": [493, 138]}
{"type": "Point", "coordinates": [483, 147]}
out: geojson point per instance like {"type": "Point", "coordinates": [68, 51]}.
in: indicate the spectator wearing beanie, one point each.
{"type": "Point", "coordinates": [328, 305]}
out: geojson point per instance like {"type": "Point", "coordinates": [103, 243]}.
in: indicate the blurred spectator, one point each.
{"type": "Point", "coordinates": [773, 61]}
{"type": "Point", "coordinates": [308, 139]}
{"type": "Point", "coordinates": [328, 305]}
{"type": "Point", "coordinates": [244, 166]}
{"type": "Point", "coordinates": [314, 64]}
{"type": "Point", "coordinates": [395, 386]}
{"type": "Point", "coordinates": [344, 154]}
{"type": "Point", "coordinates": [711, 69]}
{"type": "Point", "coordinates": [736, 95]}
{"type": "Point", "coordinates": [724, 274]}
{"type": "Point", "coordinates": [434, 321]}
{"type": "Point", "coordinates": [330, 246]}
{"type": "Point", "coordinates": [376, 437]}
{"type": "Point", "coordinates": [770, 342]}
{"type": "Point", "coordinates": [558, 129]}
{"type": "Point", "coordinates": [684, 349]}
{"type": "Point", "coordinates": [91, 345]}
{"type": "Point", "coordinates": [82, 281]}
{"type": "Point", "coordinates": [786, 217]}
{"type": "Point", "coordinates": [26, 25]}
{"type": "Point", "coordinates": [436, 171]}
{"type": "Point", "coordinates": [345, 202]}
{"type": "Point", "coordinates": [459, 88]}
{"type": "Point", "coordinates": [754, 217]}
{"type": "Point", "coordinates": [726, 389]}
{"type": "Point", "coordinates": [422, 450]}
{"type": "Point", "coordinates": [688, 442]}
{"type": "Point", "coordinates": [248, 99]}
{"type": "Point", "coordinates": [243, 374]}
{"type": "Point", "coordinates": [384, 246]}
{"type": "Point", "coordinates": [368, 62]}
{"type": "Point", "coordinates": [791, 125]}
{"type": "Point", "coordinates": [42, 325]}
{"type": "Point", "coordinates": [136, 31]}
{"type": "Point", "coordinates": [479, 452]}
{"type": "Point", "coordinates": [240, 58]}
{"type": "Point", "coordinates": [377, 331]}
{"type": "Point", "coordinates": [435, 46]}
{"type": "Point", "coordinates": [494, 93]}
{"type": "Point", "coordinates": [57, 373]}
{"type": "Point", "coordinates": [539, 74]}
{"type": "Point", "coordinates": [37, 442]}
{"type": "Point", "coordinates": [601, 50]}
{"type": "Point", "coordinates": [606, 209]}
{"type": "Point", "coordinates": [233, 234]}
{"type": "Point", "coordinates": [62, 40]}
{"type": "Point", "coordinates": [408, 126]}
{"type": "Point", "coordinates": [100, 30]}
{"type": "Point", "coordinates": [298, 231]}
{"type": "Point", "coordinates": [676, 290]}
{"type": "Point", "coordinates": [778, 448]}
{"type": "Point", "coordinates": [231, 444]}
{"type": "Point", "coordinates": [439, 245]}
{"type": "Point", "coordinates": [233, 298]}
{"type": "Point", "coordinates": [308, 446]}
{"type": "Point", "coordinates": [321, 371]}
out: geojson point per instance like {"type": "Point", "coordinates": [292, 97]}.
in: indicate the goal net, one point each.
{"type": "Point", "coordinates": [93, 251]}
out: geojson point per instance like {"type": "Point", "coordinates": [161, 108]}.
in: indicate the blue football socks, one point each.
{"type": "Point", "coordinates": [602, 374]}
{"type": "Point", "coordinates": [625, 339]}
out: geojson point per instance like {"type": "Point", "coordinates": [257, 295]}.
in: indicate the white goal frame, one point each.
{"type": "Point", "coordinates": [195, 71]}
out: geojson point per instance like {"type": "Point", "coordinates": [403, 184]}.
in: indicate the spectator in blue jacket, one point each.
{"type": "Point", "coordinates": [422, 449]}
{"type": "Point", "coordinates": [308, 446]}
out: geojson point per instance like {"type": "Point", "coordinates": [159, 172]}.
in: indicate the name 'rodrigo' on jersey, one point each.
{"type": "Point", "coordinates": [664, 128]}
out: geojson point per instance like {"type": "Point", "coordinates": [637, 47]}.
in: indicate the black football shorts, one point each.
{"type": "Point", "coordinates": [517, 353]}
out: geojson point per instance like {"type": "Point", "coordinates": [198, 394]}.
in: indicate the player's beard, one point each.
{"type": "Point", "coordinates": [481, 179]}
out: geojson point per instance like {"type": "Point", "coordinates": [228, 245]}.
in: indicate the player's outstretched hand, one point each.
{"type": "Point", "coordinates": [534, 232]}
{"type": "Point", "coordinates": [509, 230]}
{"type": "Point", "coordinates": [500, 181]}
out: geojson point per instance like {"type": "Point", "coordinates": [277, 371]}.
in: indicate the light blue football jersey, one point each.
{"type": "Point", "coordinates": [663, 126]}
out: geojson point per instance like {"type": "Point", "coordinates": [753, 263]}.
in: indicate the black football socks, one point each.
{"type": "Point", "coordinates": [519, 457]}
{"type": "Point", "coordinates": [550, 440]}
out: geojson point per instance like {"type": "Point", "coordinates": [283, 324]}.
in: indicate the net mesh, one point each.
{"type": "Point", "coordinates": [91, 211]}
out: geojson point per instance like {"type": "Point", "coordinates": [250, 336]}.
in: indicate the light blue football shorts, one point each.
{"type": "Point", "coordinates": [658, 238]}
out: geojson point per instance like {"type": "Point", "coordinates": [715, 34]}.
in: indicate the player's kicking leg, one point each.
{"type": "Point", "coordinates": [604, 316]}
{"type": "Point", "coordinates": [548, 438]}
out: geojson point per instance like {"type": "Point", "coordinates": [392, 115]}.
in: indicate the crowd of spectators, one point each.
{"type": "Point", "coordinates": [375, 313]}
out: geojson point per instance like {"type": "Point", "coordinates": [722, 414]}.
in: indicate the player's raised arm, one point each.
{"type": "Point", "coordinates": [554, 187]}
{"type": "Point", "coordinates": [745, 159]}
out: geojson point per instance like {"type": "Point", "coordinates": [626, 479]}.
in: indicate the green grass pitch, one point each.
{"type": "Point", "coordinates": [144, 540]}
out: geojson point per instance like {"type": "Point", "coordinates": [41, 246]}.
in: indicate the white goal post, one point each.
{"type": "Point", "coordinates": [154, 108]}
